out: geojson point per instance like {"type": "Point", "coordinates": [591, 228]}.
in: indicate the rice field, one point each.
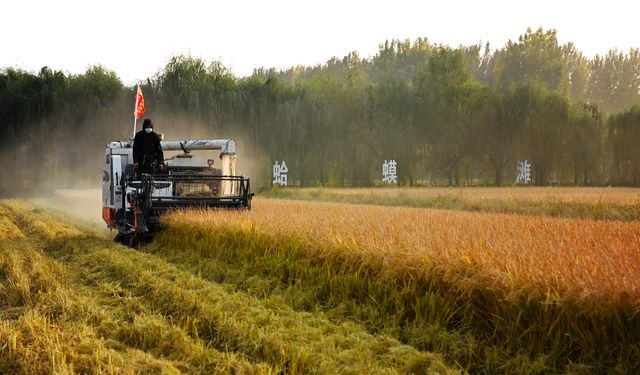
{"type": "Point", "coordinates": [74, 302]}
{"type": "Point", "coordinates": [578, 202]}
{"type": "Point", "coordinates": [605, 195]}
{"type": "Point", "coordinates": [574, 258]}
{"type": "Point", "coordinates": [322, 287]}
{"type": "Point", "coordinates": [558, 292]}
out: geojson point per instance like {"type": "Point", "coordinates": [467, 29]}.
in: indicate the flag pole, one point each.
{"type": "Point", "coordinates": [135, 113]}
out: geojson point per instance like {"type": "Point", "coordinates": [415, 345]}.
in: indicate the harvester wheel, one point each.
{"type": "Point", "coordinates": [134, 240]}
{"type": "Point", "coordinates": [123, 239]}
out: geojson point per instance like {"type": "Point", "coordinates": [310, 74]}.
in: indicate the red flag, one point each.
{"type": "Point", "coordinates": [139, 109]}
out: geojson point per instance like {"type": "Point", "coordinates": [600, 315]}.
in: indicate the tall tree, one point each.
{"type": "Point", "coordinates": [448, 90]}
{"type": "Point", "coordinates": [624, 135]}
{"type": "Point", "coordinates": [536, 58]}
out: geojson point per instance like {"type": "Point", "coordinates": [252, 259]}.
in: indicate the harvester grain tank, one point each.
{"type": "Point", "coordinates": [132, 204]}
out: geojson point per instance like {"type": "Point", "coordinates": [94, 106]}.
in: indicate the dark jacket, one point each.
{"type": "Point", "coordinates": [147, 149]}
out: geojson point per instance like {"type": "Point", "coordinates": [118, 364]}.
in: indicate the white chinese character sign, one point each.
{"type": "Point", "coordinates": [524, 172]}
{"type": "Point", "coordinates": [389, 172]}
{"type": "Point", "coordinates": [280, 173]}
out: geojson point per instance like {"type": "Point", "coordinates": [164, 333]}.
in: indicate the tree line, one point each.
{"type": "Point", "coordinates": [456, 116]}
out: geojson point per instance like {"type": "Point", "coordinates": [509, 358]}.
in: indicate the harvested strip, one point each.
{"type": "Point", "coordinates": [8, 229]}
{"type": "Point", "coordinates": [54, 320]}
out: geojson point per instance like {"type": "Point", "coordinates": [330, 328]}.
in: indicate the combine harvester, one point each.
{"type": "Point", "coordinates": [133, 204]}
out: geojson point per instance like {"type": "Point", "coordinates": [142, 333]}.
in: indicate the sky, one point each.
{"type": "Point", "coordinates": [136, 38]}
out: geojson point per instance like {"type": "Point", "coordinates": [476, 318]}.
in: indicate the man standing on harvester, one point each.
{"type": "Point", "coordinates": [147, 151]}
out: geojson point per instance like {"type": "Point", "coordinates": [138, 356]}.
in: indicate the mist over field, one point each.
{"type": "Point", "coordinates": [82, 205]}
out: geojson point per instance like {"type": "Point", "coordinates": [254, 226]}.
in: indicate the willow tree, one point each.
{"type": "Point", "coordinates": [624, 136]}
{"type": "Point", "coordinates": [449, 111]}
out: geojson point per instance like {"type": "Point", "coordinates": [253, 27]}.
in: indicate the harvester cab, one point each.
{"type": "Point", "coordinates": [133, 203]}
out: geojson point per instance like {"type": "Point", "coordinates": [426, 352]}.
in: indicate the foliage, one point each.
{"type": "Point", "coordinates": [457, 116]}
{"type": "Point", "coordinates": [624, 129]}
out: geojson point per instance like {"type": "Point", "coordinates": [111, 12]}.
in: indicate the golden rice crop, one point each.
{"type": "Point", "coordinates": [592, 203]}
{"type": "Point", "coordinates": [71, 301]}
{"type": "Point", "coordinates": [578, 258]}
{"type": "Point", "coordinates": [8, 230]}
{"type": "Point", "coordinates": [493, 292]}
{"type": "Point", "coordinates": [595, 195]}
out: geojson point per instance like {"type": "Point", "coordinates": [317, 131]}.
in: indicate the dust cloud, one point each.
{"type": "Point", "coordinates": [67, 178]}
{"type": "Point", "coordinates": [251, 159]}
{"type": "Point", "coordinates": [82, 205]}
